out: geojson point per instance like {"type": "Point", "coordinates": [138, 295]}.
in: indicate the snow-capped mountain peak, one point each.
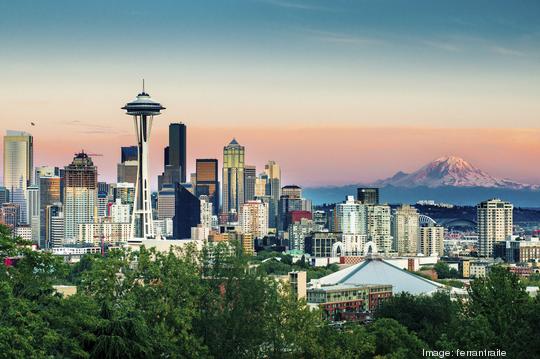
{"type": "Point", "coordinates": [449, 171]}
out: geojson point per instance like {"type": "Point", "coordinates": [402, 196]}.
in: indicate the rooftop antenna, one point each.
{"type": "Point", "coordinates": [143, 85]}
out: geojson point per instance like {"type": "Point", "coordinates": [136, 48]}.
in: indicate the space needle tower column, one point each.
{"type": "Point", "coordinates": [143, 109]}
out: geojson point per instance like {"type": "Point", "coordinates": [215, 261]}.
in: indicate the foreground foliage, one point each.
{"type": "Point", "coordinates": [148, 304]}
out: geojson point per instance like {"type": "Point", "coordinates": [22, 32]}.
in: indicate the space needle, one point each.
{"type": "Point", "coordinates": [143, 109]}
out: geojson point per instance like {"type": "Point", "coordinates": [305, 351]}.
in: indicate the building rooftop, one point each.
{"type": "Point", "coordinates": [378, 271]}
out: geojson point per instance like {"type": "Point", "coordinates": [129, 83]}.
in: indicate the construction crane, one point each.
{"type": "Point", "coordinates": [91, 154]}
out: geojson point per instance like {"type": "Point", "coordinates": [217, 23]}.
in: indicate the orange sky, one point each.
{"type": "Point", "coordinates": [318, 155]}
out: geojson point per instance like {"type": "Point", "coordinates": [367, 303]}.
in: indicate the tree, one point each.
{"type": "Point", "coordinates": [444, 271]}
{"type": "Point", "coordinates": [501, 299]}
{"type": "Point", "coordinates": [429, 316]}
{"type": "Point", "coordinates": [393, 340]}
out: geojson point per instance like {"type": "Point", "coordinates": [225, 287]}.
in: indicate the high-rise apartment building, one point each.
{"type": "Point", "coordinates": [206, 211]}
{"type": "Point", "coordinates": [80, 195]}
{"type": "Point", "coordinates": [431, 240]}
{"type": "Point", "coordinates": [254, 218]}
{"type": "Point", "coordinates": [351, 217]}
{"type": "Point", "coordinates": [120, 213]}
{"type": "Point", "coordinates": [18, 168]}
{"type": "Point", "coordinates": [206, 181]}
{"type": "Point", "coordinates": [494, 223]}
{"type": "Point", "coordinates": [405, 230]}
{"type": "Point", "coordinates": [233, 177]}
{"type": "Point", "coordinates": [298, 231]}
{"type": "Point", "coordinates": [367, 195]}
{"type": "Point", "coordinates": [379, 224]}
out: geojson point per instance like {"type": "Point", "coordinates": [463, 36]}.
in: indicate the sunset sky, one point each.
{"type": "Point", "coordinates": [337, 91]}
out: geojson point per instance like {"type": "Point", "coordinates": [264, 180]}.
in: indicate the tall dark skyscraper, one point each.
{"type": "Point", "coordinates": [174, 156]}
{"type": "Point", "coordinates": [206, 179]}
{"type": "Point", "coordinates": [177, 148]}
{"type": "Point", "coordinates": [368, 195]}
{"type": "Point", "coordinates": [250, 176]}
{"type": "Point", "coordinates": [187, 212]}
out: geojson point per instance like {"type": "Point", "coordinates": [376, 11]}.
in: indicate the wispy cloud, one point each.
{"type": "Point", "coordinates": [91, 129]}
{"type": "Point", "coordinates": [445, 46]}
{"type": "Point", "coordinates": [339, 38]}
{"type": "Point", "coordinates": [506, 51]}
{"type": "Point", "coordinates": [298, 5]}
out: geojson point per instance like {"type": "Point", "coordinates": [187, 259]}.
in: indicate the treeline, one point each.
{"type": "Point", "coordinates": [148, 304]}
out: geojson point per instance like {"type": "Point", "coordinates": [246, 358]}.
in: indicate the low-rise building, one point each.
{"type": "Point", "coordinates": [518, 250]}
{"type": "Point", "coordinates": [479, 269]}
{"type": "Point", "coordinates": [348, 301]}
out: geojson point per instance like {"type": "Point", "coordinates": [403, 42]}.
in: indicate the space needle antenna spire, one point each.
{"type": "Point", "coordinates": [142, 110]}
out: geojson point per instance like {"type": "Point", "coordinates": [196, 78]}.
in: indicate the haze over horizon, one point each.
{"type": "Point", "coordinates": [334, 91]}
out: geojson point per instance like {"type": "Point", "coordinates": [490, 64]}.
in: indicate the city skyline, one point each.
{"type": "Point", "coordinates": [317, 72]}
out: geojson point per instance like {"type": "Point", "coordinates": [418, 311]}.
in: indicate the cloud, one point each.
{"type": "Point", "coordinates": [339, 38]}
{"type": "Point", "coordinates": [297, 5]}
{"type": "Point", "coordinates": [91, 129]}
{"type": "Point", "coordinates": [506, 51]}
{"type": "Point", "coordinates": [446, 46]}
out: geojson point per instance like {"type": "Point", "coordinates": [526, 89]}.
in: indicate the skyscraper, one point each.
{"type": "Point", "coordinates": [250, 176]}
{"type": "Point", "coordinates": [187, 212]}
{"type": "Point", "coordinates": [166, 202]}
{"type": "Point", "coordinates": [291, 200]}
{"type": "Point", "coordinates": [233, 177]}
{"type": "Point", "coordinates": [127, 168]}
{"type": "Point", "coordinates": [33, 206]}
{"type": "Point", "coordinates": [254, 218]}
{"type": "Point", "coordinates": [351, 217]}
{"type": "Point", "coordinates": [143, 109]}
{"type": "Point", "coordinates": [368, 195]}
{"type": "Point", "coordinates": [174, 157]}
{"type": "Point", "coordinates": [18, 168]}
{"type": "Point", "coordinates": [379, 227]}
{"type": "Point", "coordinates": [273, 189]}
{"type": "Point", "coordinates": [177, 148]}
{"type": "Point", "coordinates": [54, 225]}
{"type": "Point", "coordinates": [495, 224]}
{"type": "Point", "coordinates": [431, 240]}
{"type": "Point", "coordinates": [405, 230]}
{"type": "Point", "coordinates": [206, 181]}
{"type": "Point", "coordinates": [80, 195]}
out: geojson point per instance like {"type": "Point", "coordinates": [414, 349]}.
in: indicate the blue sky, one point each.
{"type": "Point", "coordinates": [271, 63]}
